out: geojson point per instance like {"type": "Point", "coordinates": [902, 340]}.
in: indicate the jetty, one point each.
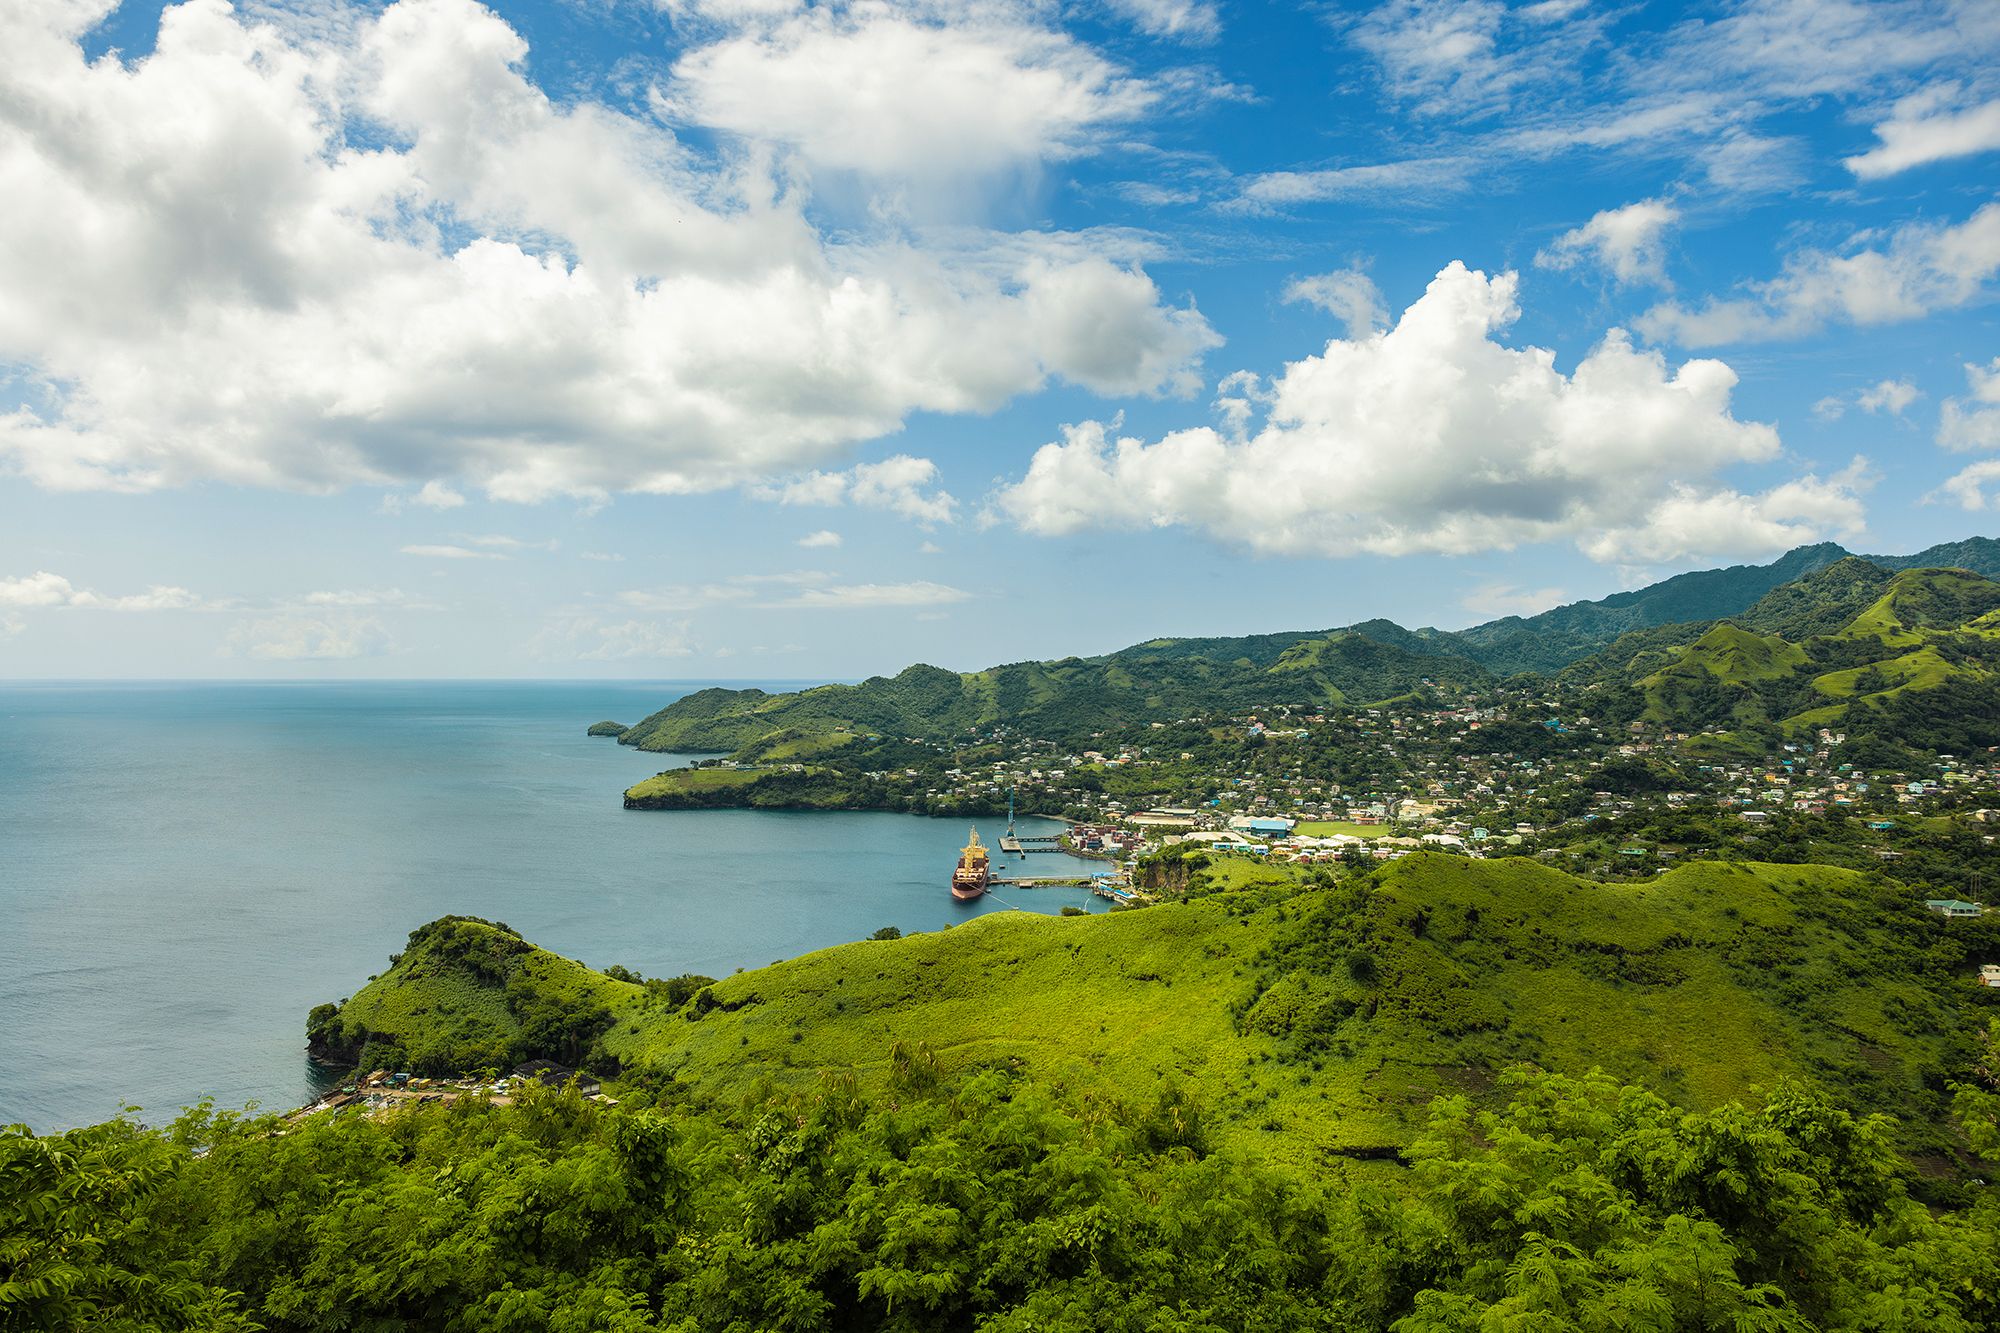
{"type": "Point", "coordinates": [1013, 841]}
{"type": "Point", "coordinates": [1020, 845]}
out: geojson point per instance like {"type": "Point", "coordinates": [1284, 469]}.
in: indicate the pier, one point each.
{"type": "Point", "coordinates": [1012, 841]}
{"type": "Point", "coordinates": [1021, 846]}
{"type": "Point", "coordinates": [1041, 881]}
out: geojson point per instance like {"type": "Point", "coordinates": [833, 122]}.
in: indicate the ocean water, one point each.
{"type": "Point", "coordinates": [186, 869]}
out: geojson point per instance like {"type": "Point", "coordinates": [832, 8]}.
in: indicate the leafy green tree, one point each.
{"type": "Point", "coordinates": [1977, 1103]}
{"type": "Point", "coordinates": [1584, 1205]}
{"type": "Point", "coordinates": [77, 1247]}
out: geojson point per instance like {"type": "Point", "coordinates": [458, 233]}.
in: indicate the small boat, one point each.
{"type": "Point", "coordinates": [970, 879]}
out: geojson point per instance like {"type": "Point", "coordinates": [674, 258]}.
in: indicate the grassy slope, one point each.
{"type": "Point", "coordinates": [446, 1002]}
{"type": "Point", "coordinates": [692, 779]}
{"type": "Point", "coordinates": [1665, 981]}
{"type": "Point", "coordinates": [1871, 622]}
{"type": "Point", "coordinates": [1703, 982]}
{"type": "Point", "coordinates": [1727, 653]}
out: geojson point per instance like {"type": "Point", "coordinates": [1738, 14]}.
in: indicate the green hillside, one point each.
{"type": "Point", "coordinates": [1753, 595]}
{"type": "Point", "coordinates": [1814, 590]}
{"type": "Point", "coordinates": [1438, 1097]}
{"type": "Point", "coordinates": [1554, 639]}
{"type": "Point", "coordinates": [1822, 602]}
{"type": "Point", "coordinates": [1731, 654]}
{"type": "Point", "coordinates": [1910, 658]}
{"type": "Point", "coordinates": [1312, 1018]}
{"type": "Point", "coordinates": [1071, 698]}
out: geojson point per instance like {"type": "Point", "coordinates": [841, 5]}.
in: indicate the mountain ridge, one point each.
{"type": "Point", "coordinates": [1355, 665]}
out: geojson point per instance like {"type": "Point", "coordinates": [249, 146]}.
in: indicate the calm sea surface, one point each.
{"type": "Point", "coordinates": [185, 870]}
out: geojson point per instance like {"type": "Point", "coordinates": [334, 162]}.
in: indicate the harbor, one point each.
{"type": "Point", "coordinates": [974, 874]}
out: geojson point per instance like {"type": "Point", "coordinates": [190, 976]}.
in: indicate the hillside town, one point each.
{"type": "Point", "coordinates": [1505, 773]}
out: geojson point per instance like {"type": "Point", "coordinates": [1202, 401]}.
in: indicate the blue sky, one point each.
{"type": "Point", "coordinates": [748, 339]}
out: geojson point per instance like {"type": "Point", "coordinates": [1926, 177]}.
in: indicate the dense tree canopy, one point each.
{"type": "Point", "coordinates": [986, 1201]}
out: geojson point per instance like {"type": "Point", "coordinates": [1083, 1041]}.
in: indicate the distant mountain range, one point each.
{"type": "Point", "coordinates": [1807, 594]}
{"type": "Point", "coordinates": [1554, 639]}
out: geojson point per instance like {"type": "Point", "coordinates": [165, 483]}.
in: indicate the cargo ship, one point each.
{"type": "Point", "coordinates": [970, 879]}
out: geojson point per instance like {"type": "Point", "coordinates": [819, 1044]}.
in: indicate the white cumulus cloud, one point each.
{"type": "Point", "coordinates": [1626, 242]}
{"type": "Point", "coordinates": [437, 495]}
{"type": "Point", "coordinates": [900, 484]}
{"type": "Point", "coordinates": [1973, 421]}
{"type": "Point", "coordinates": [377, 252]}
{"type": "Point", "coordinates": [1891, 396]}
{"type": "Point", "coordinates": [1969, 485]}
{"type": "Point", "coordinates": [1923, 267]}
{"type": "Point", "coordinates": [42, 588]}
{"type": "Point", "coordinates": [884, 92]}
{"type": "Point", "coordinates": [1927, 127]}
{"type": "Point", "coordinates": [1348, 294]}
{"type": "Point", "coordinates": [1438, 437]}
{"type": "Point", "coordinates": [824, 539]}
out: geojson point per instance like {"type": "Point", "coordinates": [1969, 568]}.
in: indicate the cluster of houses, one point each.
{"type": "Point", "coordinates": [383, 1090]}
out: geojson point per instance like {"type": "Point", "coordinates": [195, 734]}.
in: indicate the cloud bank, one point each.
{"type": "Point", "coordinates": [43, 589]}
{"type": "Point", "coordinates": [1437, 437]}
{"type": "Point", "coordinates": [374, 251]}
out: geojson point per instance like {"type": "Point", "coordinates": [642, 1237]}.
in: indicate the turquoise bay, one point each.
{"type": "Point", "coordinates": [185, 869]}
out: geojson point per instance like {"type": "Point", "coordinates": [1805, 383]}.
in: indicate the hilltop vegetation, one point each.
{"type": "Point", "coordinates": [1910, 659]}
{"type": "Point", "coordinates": [1311, 1015]}
{"type": "Point", "coordinates": [1069, 699]}
{"type": "Point", "coordinates": [468, 994]}
{"type": "Point", "coordinates": [1445, 1095]}
{"type": "Point", "coordinates": [950, 1202]}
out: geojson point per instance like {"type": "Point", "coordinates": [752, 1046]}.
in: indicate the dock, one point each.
{"type": "Point", "coordinates": [1041, 881]}
{"type": "Point", "coordinates": [1021, 846]}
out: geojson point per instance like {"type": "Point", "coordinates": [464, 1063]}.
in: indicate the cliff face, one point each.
{"type": "Point", "coordinates": [328, 1041]}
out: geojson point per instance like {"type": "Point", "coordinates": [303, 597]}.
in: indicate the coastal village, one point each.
{"type": "Point", "coordinates": [382, 1091]}
{"type": "Point", "coordinates": [1433, 785]}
